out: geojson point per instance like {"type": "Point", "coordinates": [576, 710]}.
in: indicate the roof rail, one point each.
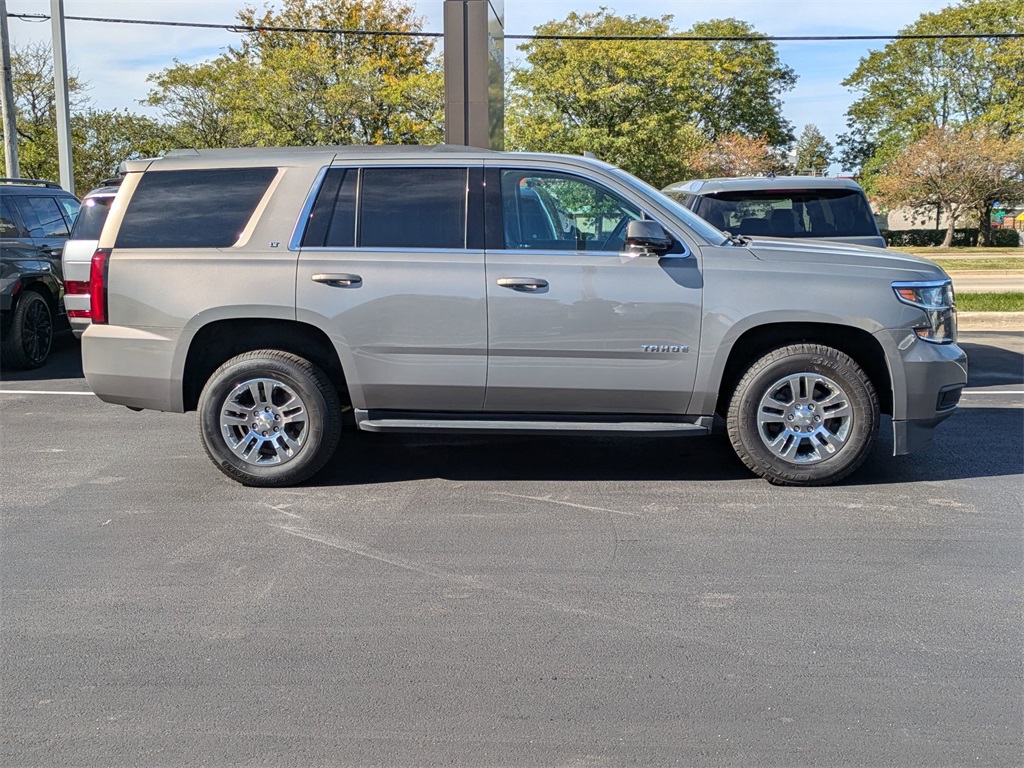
{"type": "Point", "coordinates": [33, 183]}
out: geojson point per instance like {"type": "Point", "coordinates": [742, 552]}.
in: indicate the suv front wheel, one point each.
{"type": "Point", "coordinates": [805, 414]}
{"type": "Point", "coordinates": [269, 418]}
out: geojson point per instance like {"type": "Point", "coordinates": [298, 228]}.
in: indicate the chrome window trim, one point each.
{"type": "Point", "coordinates": [370, 249]}
{"type": "Point", "coordinates": [299, 230]}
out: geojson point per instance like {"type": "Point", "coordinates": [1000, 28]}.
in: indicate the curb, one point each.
{"type": "Point", "coordinates": [990, 321]}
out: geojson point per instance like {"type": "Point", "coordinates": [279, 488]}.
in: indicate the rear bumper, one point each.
{"type": "Point", "coordinates": [133, 366]}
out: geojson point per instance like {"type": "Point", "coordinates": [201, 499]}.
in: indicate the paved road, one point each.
{"type": "Point", "coordinates": [506, 601]}
{"type": "Point", "coordinates": [987, 281]}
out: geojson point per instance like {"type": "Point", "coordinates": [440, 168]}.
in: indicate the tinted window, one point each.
{"type": "Point", "coordinates": [193, 209]}
{"type": "Point", "coordinates": [553, 211]}
{"type": "Point", "coordinates": [790, 213]}
{"type": "Point", "coordinates": [413, 208]}
{"type": "Point", "coordinates": [333, 219]}
{"type": "Point", "coordinates": [71, 208]}
{"type": "Point", "coordinates": [8, 224]}
{"type": "Point", "coordinates": [90, 219]}
{"type": "Point", "coordinates": [43, 216]}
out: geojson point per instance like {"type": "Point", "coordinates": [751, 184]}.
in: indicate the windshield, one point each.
{"type": "Point", "coordinates": [91, 217]}
{"type": "Point", "coordinates": [790, 213]}
{"type": "Point", "coordinates": [694, 222]}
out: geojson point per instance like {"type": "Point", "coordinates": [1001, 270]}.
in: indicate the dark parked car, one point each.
{"type": "Point", "coordinates": [783, 206]}
{"type": "Point", "coordinates": [35, 220]}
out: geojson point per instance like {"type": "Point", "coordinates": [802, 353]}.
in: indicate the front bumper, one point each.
{"type": "Point", "coordinates": [927, 380]}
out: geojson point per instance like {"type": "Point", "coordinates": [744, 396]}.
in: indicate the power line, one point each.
{"type": "Point", "coordinates": [245, 28]}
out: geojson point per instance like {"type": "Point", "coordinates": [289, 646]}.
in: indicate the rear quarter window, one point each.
{"type": "Point", "coordinates": [192, 209]}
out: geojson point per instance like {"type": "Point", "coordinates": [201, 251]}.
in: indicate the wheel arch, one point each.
{"type": "Point", "coordinates": [217, 342]}
{"type": "Point", "coordinates": [755, 342]}
{"type": "Point", "coordinates": [43, 284]}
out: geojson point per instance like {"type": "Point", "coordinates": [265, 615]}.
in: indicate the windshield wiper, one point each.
{"type": "Point", "coordinates": [737, 240]}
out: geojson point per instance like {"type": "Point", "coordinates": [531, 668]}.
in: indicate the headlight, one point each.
{"type": "Point", "coordinates": [935, 299]}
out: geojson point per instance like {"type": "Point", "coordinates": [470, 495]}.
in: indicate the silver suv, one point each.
{"type": "Point", "coordinates": [461, 290]}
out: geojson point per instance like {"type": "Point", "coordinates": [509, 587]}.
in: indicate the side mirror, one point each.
{"type": "Point", "coordinates": [646, 238]}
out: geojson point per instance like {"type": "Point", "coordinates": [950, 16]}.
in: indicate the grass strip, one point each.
{"type": "Point", "coordinates": [971, 265]}
{"type": "Point", "coordinates": [990, 302]}
{"type": "Point", "coordinates": [937, 253]}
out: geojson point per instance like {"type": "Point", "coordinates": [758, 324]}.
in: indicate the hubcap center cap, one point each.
{"type": "Point", "coordinates": [801, 416]}
{"type": "Point", "coordinates": [264, 421]}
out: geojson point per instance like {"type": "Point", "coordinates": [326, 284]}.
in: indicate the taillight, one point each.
{"type": "Point", "coordinates": [77, 288]}
{"type": "Point", "coordinates": [98, 286]}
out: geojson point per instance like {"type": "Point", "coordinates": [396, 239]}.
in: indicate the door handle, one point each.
{"type": "Point", "coordinates": [523, 283]}
{"type": "Point", "coordinates": [339, 281]}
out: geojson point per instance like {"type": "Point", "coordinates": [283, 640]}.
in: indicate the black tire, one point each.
{"type": "Point", "coordinates": [285, 444]}
{"type": "Point", "coordinates": [29, 337]}
{"type": "Point", "coordinates": [787, 421]}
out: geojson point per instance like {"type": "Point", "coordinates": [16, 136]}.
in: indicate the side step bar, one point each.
{"type": "Point", "coordinates": [534, 424]}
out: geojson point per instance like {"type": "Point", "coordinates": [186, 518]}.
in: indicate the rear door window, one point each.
{"type": "Point", "coordinates": [413, 208]}
{"type": "Point", "coordinates": [71, 208]}
{"type": "Point", "coordinates": [43, 216]}
{"type": "Point", "coordinates": [332, 222]}
{"type": "Point", "coordinates": [207, 208]}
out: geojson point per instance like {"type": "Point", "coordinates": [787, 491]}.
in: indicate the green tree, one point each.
{"type": "Point", "coordinates": [813, 151]}
{"type": "Point", "coordinates": [303, 88]}
{"type": "Point", "coordinates": [734, 86]}
{"type": "Point", "coordinates": [958, 171]}
{"type": "Point", "coordinates": [649, 107]}
{"type": "Point", "coordinates": [100, 139]}
{"type": "Point", "coordinates": [913, 85]}
{"type": "Point", "coordinates": [733, 154]}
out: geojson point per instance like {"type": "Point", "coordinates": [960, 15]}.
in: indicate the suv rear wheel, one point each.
{"type": "Point", "coordinates": [30, 335]}
{"type": "Point", "coordinates": [269, 418]}
{"type": "Point", "coordinates": [804, 414]}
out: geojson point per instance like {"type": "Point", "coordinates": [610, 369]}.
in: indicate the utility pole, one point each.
{"type": "Point", "coordinates": [60, 84]}
{"type": "Point", "coordinates": [7, 101]}
{"type": "Point", "coordinates": [474, 73]}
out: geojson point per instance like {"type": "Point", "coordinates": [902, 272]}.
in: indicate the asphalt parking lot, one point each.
{"type": "Point", "coordinates": [506, 600]}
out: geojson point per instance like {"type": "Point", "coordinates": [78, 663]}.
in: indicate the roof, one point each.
{"type": "Point", "coordinates": [240, 157]}
{"type": "Point", "coordinates": [246, 156]}
{"type": "Point", "coordinates": [32, 183]}
{"type": "Point", "coordinates": [759, 183]}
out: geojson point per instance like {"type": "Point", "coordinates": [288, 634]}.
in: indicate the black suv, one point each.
{"type": "Point", "coordinates": [35, 221]}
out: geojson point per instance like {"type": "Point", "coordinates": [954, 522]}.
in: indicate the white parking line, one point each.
{"type": "Point", "coordinates": [41, 392]}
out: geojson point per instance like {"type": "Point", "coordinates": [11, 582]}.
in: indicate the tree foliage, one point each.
{"type": "Point", "coordinates": [649, 107]}
{"type": "Point", "coordinates": [958, 171]}
{"type": "Point", "coordinates": [813, 151]}
{"type": "Point", "coordinates": [100, 139]}
{"type": "Point", "coordinates": [912, 86]}
{"type": "Point", "coordinates": [301, 88]}
{"type": "Point", "coordinates": [734, 154]}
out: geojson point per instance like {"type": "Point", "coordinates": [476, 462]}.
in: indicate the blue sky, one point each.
{"type": "Point", "coordinates": [115, 59]}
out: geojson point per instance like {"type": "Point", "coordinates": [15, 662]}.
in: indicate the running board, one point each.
{"type": "Point", "coordinates": [385, 421]}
